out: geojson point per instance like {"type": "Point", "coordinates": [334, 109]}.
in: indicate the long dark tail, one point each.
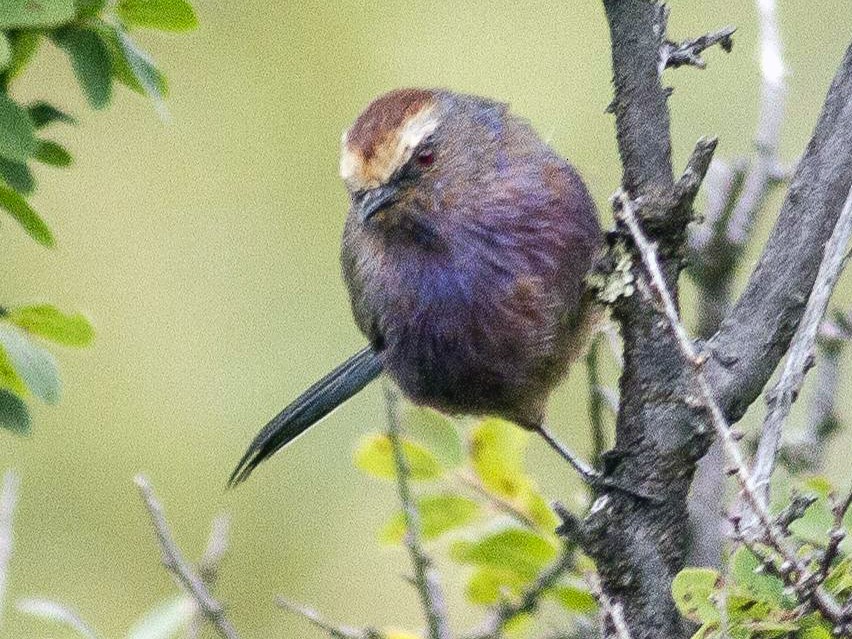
{"type": "Point", "coordinates": [310, 407]}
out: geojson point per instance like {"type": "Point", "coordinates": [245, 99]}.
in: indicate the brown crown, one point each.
{"type": "Point", "coordinates": [383, 117]}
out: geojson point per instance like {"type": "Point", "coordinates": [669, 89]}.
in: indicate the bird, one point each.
{"type": "Point", "coordinates": [465, 253]}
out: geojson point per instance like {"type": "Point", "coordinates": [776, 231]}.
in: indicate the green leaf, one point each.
{"type": "Point", "coordinates": [89, 8]}
{"type": "Point", "coordinates": [42, 114]}
{"type": "Point", "coordinates": [436, 432]}
{"type": "Point", "coordinates": [490, 585]}
{"type": "Point", "coordinates": [13, 413]}
{"type": "Point", "coordinates": [438, 514]}
{"type": "Point", "coordinates": [131, 66]}
{"type": "Point", "coordinates": [692, 591]}
{"type": "Point", "coordinates": [374, 456]}
{"type": "Point", "coordinates": [52, 324]}
{"type": "Point", "coordinates": [9, 378]}
{"type": "Point", "coordinates": [90, 59]}
{"type": "Point", "coordinates": [24, 46]}
{"type": "Point", "coordinates": [53, 154]}
{"type": "Point", "coordinates": [18, 208]}
{"type": "Point", "coordinates": [18, 176]}
{"type": "Point", "coordinates": [747, 574]}
{"type": "Point", "coordinates": [5, 51]}
{"type": "Point", "coordinates": [17, 133]}
{"type": "Point", "coordinates": [574, 600]}
{"type": "Point", "coordinates": [23, 14]}
{"type": "Point", "coordinates": [165, 620]}
{"type": "Point", "coordinates": [56, 612]}
{"type": "Point", "coordinates": [34, 364]}
{"type": "Point", "coordinates": [165, 15]}
{"type": "Point", "coordinates": [518, 550]}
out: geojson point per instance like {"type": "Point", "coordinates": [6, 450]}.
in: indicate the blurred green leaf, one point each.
{"type": "Point", "coordinates": [24, 46]}
{"type": "Point", "coordinates": [374, 456]}
{"type": "Point", "coordinates": [42, 114]}
{"type": "Point", "coordinates": [516, 549]}
{"type": "Point", "coordinates": [90, 59]}
{"type": "Point", "coordinates": [692, 591]}
{"type": "Point", "coordinates": [573, 599]}
{"type": "Point", "coordinates": [18, 208]}
{"type": "Point", "coordinates": [165, 620]}
{"type": "Point", "coordinates": [53, 154]}
{"type": "Point", "coordinates": [18, 176]}
{"type": "Point", "coordinates": [14, 415]}
{"type": "Point", "coordinates": [9, 378]}
{"type": "Point", "coordinates": [129, 64]}
{"type": "Point", "coordinates": [31, 222]}
{"type": "Point", "coordinates": [5, 51]}
{"type": "Point", "coordinates": [52, 324]}
{"type": "Point", "coordinates": [22, 14]}
{"type": "Point", "coordinates": [165, 15]}
{"type": "Point", "coordinates": [490, 585]}
{"type": "Point", "coordinates": [747, 573]}
{"type": "Point", "coordinates": [436, 432]}
{"type": "Point", "coordinates": [89, 8]}
{"type": "Point", "coordinates": [34, 364]}
{"type": "Point", "coordinates": [392, 633]}
{"type": "Point", "coordinates": [58, 613]}
{"type": "Point", "coordinates": [17, 133]}
{"type": "Point", "coordinates": [438, 514]}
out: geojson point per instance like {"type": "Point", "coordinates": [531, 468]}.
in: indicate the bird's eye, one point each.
{"type": "Point", "coordinates": [426, 157]}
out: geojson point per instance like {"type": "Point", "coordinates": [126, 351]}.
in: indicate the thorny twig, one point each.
{"type": "Point", "coordinates": [425, 578]}
{"type": "Point", "coordinates": [334, 631]}
{"type": "Point", "coordinates": [798, 576]}
{"type": "Point", "coordinates": [8, 501]}
{"type": "Point", "coordinates": [610, 609]}
{"type": "Point", "coordinates": [800, 356]}
{"type": "Point", "coordinates": [176, 564]}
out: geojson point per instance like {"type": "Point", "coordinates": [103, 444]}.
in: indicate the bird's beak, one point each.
{"type": "Point", "coordinates": [368, 203]}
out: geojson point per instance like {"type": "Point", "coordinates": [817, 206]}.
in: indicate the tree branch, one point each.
{"type": "Point", "coordinates": [334, 631]}
{"type": "Point", "coordinates": [612, 611]}
{"type": "Point", "coordinates": [175, 563]}
{"type": "Point", "coordinates": [425, 579]}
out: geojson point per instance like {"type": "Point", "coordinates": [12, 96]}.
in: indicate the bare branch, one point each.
{"type": "Point", "coordinates": [8, 501]}
{"type": "Point", "coordinates": [175, 563]}
{"type": "Point", "coordinates": [334, 631]}
{"type": "Point", "coordinates": [780, 399]}
{"type": "Point", "coordinates": [798, 576]}
{"type": "Point", "coordinates": [612, 610]}
{"type": "Point", "coordinates": [688, 52]}
{"type": "Point", "coordinates": [529, 600]}
{"type": "Point", "coordinates": [425, 578]}
{"type": "Point", "coordinates": [835, 536]}
{"type": "Point", "coordinates": [208, 566]}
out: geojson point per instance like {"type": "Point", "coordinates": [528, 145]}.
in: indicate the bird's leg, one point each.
{"type": "Point", "coordinates": [594, 478]}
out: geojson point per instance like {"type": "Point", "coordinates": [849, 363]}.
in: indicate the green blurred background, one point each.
{"type": "Point", "coordinates": [205, 251]}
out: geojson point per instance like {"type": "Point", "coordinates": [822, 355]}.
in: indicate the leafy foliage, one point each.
{"type": "Point", "coordinates": [477, 499]}
{"type": "Point", "coordinates": [756, 603]}
{"type": "Point", "coordinates": [98, 38]}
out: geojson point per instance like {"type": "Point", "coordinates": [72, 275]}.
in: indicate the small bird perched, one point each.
{"type": "Point", "coordinates": [465, 253]}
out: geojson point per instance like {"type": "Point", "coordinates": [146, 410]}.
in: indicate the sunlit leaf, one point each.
{"type": "Point", "coordinates": [436, 432]}
{"type": "Point", "coordinates": [749, 577]}
{"type": "Point", "coordinates": [22, 14]}
{"type": "Point", "coordinates": [17, 133]}
{"type": "Point", "coordinates": [490, 585]}
{"type": "Point", "coordinates": [438, 514]}
{"type": "Point", "coordinates": [17, 175]}
{"type": "Point", "coordinates": [9, 378]}
{"type": "Point", "coordinates": [393, 633]}
{"type": "Point", "coordinates": [34, 364]}
{"type": "Point", "coordinates": [692, 590]}
{"type": "Point", "coordinates": [24, 46]}
{"type": "Point", "coordinates": [573, 599]}
{"type": "Point", "coordinates": [58, 613]}
{"type": "Point", "coordinates": [165, 620]}
{"type": "Point", "coordinates": [50, 323]}
{"type": "Point", "coordinates": [31, 222]}
{"type": "Point", "coordinates": [165, 15]}
{"type": "Point", "coordinates": [5, 51]}
{"type": "Point", "coordinates": [515, 549]}
{"type": "Point", "coordinates": [53, 154]}
{"type": "Point", "coordinates": [42, 114]}
{"type": "Point", "coordinates": [14, 415]}
{"type": "Point", "coordinates": [91, 62]}
{"type": "Point", "coordinates": [89, 8]}
{"type": "Point", "coordinates": [375, 457]}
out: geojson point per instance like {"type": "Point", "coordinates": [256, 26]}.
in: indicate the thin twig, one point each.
{"type": "Point", "coordinates": [835, 536]}
{"type": "Point", "coordinates": [799, 577]}
{"type": "Point", "coordinates": [610, 608]}
{"type": "Point", "coordinates": [499, 503]}
{"type": "Point", "coordinates": [8, 501]}
{"type": "Point", "coordinates": [688, 52]}
{"type": "Point", "coordinates": [175, 563]}
{"type": "Point", "coordinates": [425, 578]}
{"type": "Point", "coordinates": [336, 632]}
{"type": "Point", "coordinates": [529, 600]}
{"type": "Point", "coordinates": [209, 564]}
